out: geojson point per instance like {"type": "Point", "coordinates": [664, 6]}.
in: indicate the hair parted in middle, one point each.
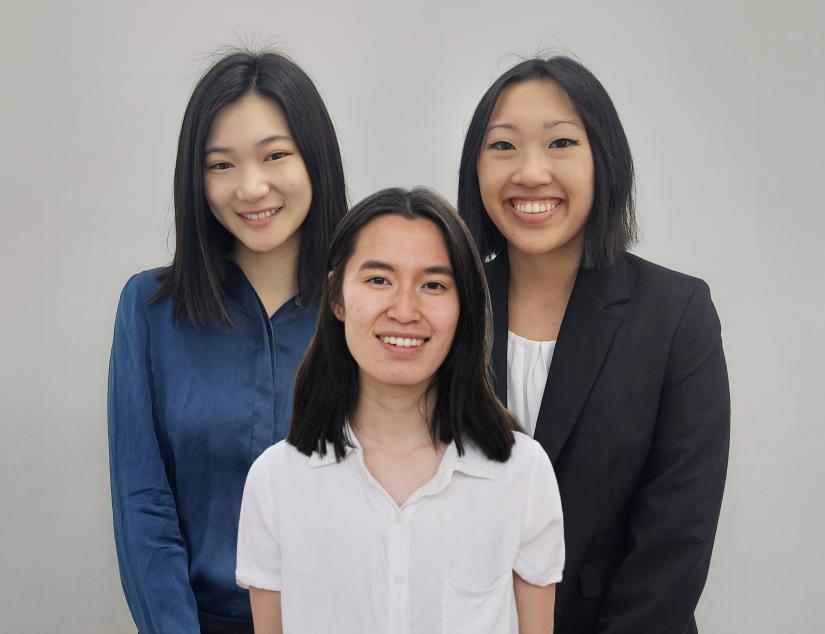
{"type": "Point", "coordinates": [466, 408]}
{"type": "Point", "coordinates": [611, 224]}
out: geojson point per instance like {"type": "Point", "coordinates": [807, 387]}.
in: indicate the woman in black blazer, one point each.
{"type": "Point", "coordinates": [634, 410]}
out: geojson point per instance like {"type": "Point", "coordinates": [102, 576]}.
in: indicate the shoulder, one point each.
{"type": "Point", "coordinates": [678, 305]}
{"type": "Point", "coordinates": [533, 473]}
{"type": "Point", "coordinates": [527, 455]}
{"type": "Point", "coordinates": [141, 286]}
{"type": "Point", "coordinates": [661, 299]}
{"type": "Point", "coordinates": [663, 284]}
{"type": "Point", "coordinates": [281, 460]}
{"type": "Point", "coordinates": [133, 314]}
{"type": "Point", "coordinates": [279, 453]}
{"type": "Point", "coordinates": [525, 448]}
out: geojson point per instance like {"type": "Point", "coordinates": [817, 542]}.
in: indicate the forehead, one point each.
{"type": "Point", "coordinates": [537, 100]}
{"type": "Point", "coordinates": [247, 120]}
{"type": "Point", "coordinates": [401, 242]}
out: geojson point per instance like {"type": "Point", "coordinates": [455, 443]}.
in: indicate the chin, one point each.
{"type": "Point", "coordinates": [532, 248]}
{"type": "Point", "coordinates": [401, 380]}
{"type": "Point", "coordinates": [406, 381]}
{"type": "Point", "coordinates": [547, 244]}
{"type": "Point", "coordinates": [262, 247]}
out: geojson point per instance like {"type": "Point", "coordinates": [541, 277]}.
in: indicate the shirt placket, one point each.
{"type": "Point", "coordinates": [264, 427]}
{"type": "Point", "coordinates": [398, 566]}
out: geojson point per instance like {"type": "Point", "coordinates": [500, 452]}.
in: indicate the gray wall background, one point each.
{"type": "Point", "coordinates": [723, 103]}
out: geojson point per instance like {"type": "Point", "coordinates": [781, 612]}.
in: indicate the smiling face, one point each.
{"type": "Point", "coordinates": [256, 182]}
{"type": "Point", "coordinates": [399, 304]}
{"type": "Point", "coordinates": [535, 169]}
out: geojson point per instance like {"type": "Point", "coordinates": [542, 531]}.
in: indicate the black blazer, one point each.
{"type": "Point", "coordinates": [635, 418]}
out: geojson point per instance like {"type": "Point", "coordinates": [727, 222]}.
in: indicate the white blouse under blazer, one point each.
{"type": "Point", "coordinates": [528, 364]}
{"type": "Point", "coordinates": [347, 559]}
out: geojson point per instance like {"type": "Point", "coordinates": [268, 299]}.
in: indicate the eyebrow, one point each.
{"type": "Point", "coordinates": [386, 266]}
{"type": "Point", "coordinates": [261, 143]}
{"type": "Point", "coordinates": [547, 125]}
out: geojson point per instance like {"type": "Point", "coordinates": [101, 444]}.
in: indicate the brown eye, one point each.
{"type": "Point", "coordinates": [222, 165]}
{"type": "Point", "coordinates": [501, 145]}
{"type": "Point", "coordinates": [563, 143]}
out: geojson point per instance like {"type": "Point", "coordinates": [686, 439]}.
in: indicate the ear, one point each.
{"type": "Point", "coordinates": [337, 309]}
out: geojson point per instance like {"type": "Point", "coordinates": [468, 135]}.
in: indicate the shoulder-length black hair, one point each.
{"type": "Point", "coordinates": [198, 276]}
{"type": "Point", "coordinates": [611, 225]}
{"type": "Point", "coordinates": [326, 385]}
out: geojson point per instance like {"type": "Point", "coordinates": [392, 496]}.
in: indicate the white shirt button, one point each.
{"type": "Point", "coordinates": [398, 578]}
{"type": "Point", "coordinates": [398, 519]}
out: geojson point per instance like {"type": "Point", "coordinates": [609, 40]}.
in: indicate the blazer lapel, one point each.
{"type": "Point", "coordinates": [591, 319]}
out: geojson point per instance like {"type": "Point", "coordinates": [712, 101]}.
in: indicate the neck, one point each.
{"type": "Point", "coordinates": [273, 274]}
{"type": "Point", "coordinates": [540, 287]}
{"type": "Point", "coordinates": [549, 275]}
{"type": "Point", "coordinates": [392, 416]}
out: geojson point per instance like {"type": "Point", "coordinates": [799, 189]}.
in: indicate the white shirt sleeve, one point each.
{"type": "Point", "coordinates": [540, 558]}
{"type": "Point", "coordinates": [259, 549]}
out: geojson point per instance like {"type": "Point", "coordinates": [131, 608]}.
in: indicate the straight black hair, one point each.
{"type": "Point", "coordinates": [611, 225]}
{"type": "Point", "coordinates": [326, 385]}
{"type": "Point", "coordinates": [198, 276]}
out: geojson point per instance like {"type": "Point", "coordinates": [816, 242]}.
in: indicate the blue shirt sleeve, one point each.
{"type": "Point", "coordinates": [153, 560]}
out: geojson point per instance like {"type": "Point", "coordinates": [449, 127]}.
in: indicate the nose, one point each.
{"type": "Point", "coordinates": [404, 306]}
{"type": "Point", "coordinates": [533, 170]}
{"type": "Point", "coordinates": [252, 185]}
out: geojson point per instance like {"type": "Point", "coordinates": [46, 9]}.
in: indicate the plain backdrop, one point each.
{"type": "Point", "coordinates": [723, 104]}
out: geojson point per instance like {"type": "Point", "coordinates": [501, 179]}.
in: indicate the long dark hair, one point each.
{"type": "Point", "coordinates": [326, 385]}
{"type": "Point", "coordinates": [198, 276]}
{"type": "Point", "coordinates": [611, 225]}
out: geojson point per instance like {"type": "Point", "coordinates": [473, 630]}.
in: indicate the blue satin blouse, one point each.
{"type": "Point", "coordinates": [189, 411]}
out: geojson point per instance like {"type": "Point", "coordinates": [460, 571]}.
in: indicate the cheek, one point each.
{"type": "Point", "coordinates": [353, 312]}
{"type": "Point", "coordinates": [297, 181]}
{"type": "Point", "coordinates": [586, 177]}
{"type": "Point", "coordinates": [448, 319]}
{"type": "Point", "coordinates": [216, 194]}
{"type": "Point", "coordinates": [586, 187]}
{"type": "Point", "coordinates": [358, 334]}
{"type": "Point", "coordinates": [591, 184]}
{"type": "Point", "coordinates": [485, 176]}
{"type": "Point", "coordinates": [491, 181]}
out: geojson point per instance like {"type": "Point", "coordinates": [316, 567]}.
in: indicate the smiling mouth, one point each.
{"type": "Point", "coordinates": [403, 342]}
{"type": "Point", "coordinates": [534, 206]}
{"type": "Point", "coordinates": [260, 215]}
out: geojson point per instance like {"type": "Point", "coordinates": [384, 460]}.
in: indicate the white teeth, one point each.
{"type": "Point", "coordinates": [402, 342]}
{"type": "Point", "coordinates": [534, 207]}
{"type": "Point", "coordinates": [259, 216]}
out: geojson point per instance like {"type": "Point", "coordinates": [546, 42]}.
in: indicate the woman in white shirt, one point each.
{"type": "Point", "coordinates": [404, 499]}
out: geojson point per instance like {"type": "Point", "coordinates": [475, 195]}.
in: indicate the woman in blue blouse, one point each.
{"type": "Point", "coordinates": [205, 350]}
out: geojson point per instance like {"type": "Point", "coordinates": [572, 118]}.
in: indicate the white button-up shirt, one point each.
{"type": "Point", "coordinates": [347, 559]}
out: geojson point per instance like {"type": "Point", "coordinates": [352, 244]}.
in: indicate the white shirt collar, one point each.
{"type": "Point", "coordinates": [473, 463]}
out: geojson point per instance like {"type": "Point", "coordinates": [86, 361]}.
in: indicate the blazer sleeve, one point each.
{"type": "Point", "coordinates": [675, 511]}
{"type": "Point", "coordinates": [154, 565]}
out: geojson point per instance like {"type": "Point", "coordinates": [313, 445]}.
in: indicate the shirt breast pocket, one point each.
{"type": "Point", "coordinates": [485, 610]}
